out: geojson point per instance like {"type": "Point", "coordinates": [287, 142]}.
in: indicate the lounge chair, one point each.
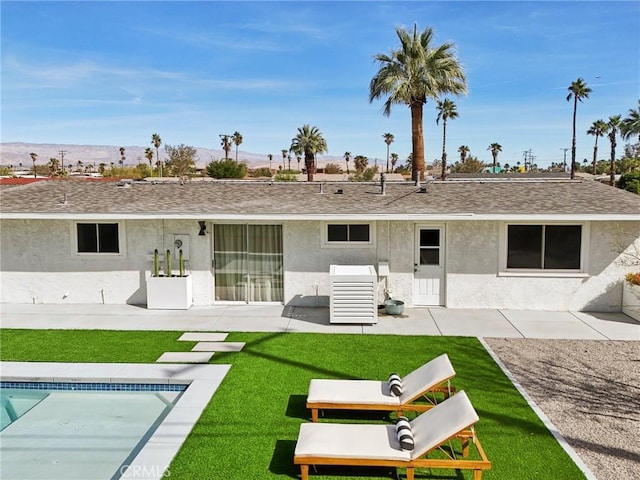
{"type": "Point", "coordinates": [431, 378]}
{"type": "Point", "coordinates": [379, 445]}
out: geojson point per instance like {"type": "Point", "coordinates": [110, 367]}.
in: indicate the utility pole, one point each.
{"type": "Point", "coordinates": [62, 152]}
{"type": "Point", "coordinates": [528, 159]}
{"type": "Point", "coordinates": [564, 161]}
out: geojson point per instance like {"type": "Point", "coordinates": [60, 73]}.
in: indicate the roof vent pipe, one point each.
{"type": "Point", "coordinates": [321, 187]}
{"type": "Point", "coordinates": [417, 181]}
{"type": "Point", "coordinates": [383, 183]}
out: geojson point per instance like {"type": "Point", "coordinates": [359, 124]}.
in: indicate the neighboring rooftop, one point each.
{"type": "Point", "coordinates": [276, 200]}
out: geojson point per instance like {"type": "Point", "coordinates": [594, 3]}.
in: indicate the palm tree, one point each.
{"type": "Point", "coordinates": [298, 159]}
{"type": "Point", "coordinates": [394, 160]}
{"type": "Point", "coordinates": [270, 159]}
{"type": "Point", "coordinates": [446, 109]}
{"type": "Point", "coordinates": [412, 74]}
{"type": "Point", "coordinates": [347, 157]}
{"type": "Point", "coordinates": [236, 138]}
{"type": "Point", "coordinates": [631, 125]}
{"type": "Point", "coordinates": [463, 150]}
{"type": "Point", "coordinates": [284, 158]}
{"type": "Point", "coordinates": [148, 154]}
{"type": "Point", "coordinates": [34, 156]}
{"type": "Point", "coordinates": [309, 141]}
{"type": "Point", "coordinates": [597, 129]}
{"type": "Point", "coordinates": [495, 149]}
{"type": "Point", "coordinates": [225, 142]}
{"type": "Point", "coordinates": [577, 90]}
{"type": "Point", "coordinates": [157, 141]}
{"type": "Point", "coordinates": [122, 157]}
{"type": "Point", "coordinates": [388, 139]}
{"type": "Point", "coordinates": [612, 128]}
{"type": "Point", "coordinates": [361, 163]}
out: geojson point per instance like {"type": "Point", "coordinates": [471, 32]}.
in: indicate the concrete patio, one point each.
{"type": "Point", "coordinates": [279, 318]}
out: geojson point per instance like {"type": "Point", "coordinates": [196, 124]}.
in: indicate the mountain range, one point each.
{"type": "Point", "coordinates": [16, 153]}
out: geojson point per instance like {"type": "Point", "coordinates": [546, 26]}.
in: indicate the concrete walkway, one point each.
{"type": "Point", "coordinates": [279, 318]}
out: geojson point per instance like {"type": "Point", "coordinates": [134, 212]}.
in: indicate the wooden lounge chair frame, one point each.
{"type": "Point", "coordinates": [419, 399]}
{"type": "Point", "coordinates": [466, 436]}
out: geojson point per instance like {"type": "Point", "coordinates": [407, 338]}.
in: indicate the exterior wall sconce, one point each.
{"type": "Point", "coordinates": [203, 228]}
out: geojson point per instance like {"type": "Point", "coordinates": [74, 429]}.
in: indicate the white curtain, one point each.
{"type": "Point", "coordinates": [248, 263]}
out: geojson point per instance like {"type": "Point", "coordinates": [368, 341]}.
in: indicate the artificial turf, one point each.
{"type": "Point", "coordinates": [249, 429]}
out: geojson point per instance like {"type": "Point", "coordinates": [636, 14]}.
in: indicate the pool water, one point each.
{"type": "Point", "coordinates": [77, 433]}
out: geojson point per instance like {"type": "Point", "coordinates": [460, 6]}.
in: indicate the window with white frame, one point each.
{"type": "Point", "coordinates": [544, 247]}
{"type": "Point", "coordinates": [348, 234]}
{"type": "Point", "coordinates": [98, 238]}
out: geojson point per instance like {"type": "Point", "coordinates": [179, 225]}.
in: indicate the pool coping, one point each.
{"type": "Point", "coordinates": [153, 460]}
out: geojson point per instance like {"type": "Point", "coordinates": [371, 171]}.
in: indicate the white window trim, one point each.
{"type": "Point", "coordinates": [585, 241]}
{"type": "Point", "coordinates": [121, 240]}
{"type": "Point", "coordinates": [327, 244]}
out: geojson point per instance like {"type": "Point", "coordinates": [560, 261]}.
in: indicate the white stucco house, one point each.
{"type": "Point", "coordinates": [503, 242]}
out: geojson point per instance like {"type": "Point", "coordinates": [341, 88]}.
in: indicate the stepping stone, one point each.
{"type": "Point", "coordinates": [185, 357]}
{"type": "Point", "coordinates": [203, 337]}
{"type": "Point", "coordinates": [218, 347]}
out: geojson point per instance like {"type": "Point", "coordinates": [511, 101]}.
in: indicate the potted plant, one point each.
{"type": "Point", "coordinates": [168, 291]}
{"type": "Point", "coordinates": [631, 295]}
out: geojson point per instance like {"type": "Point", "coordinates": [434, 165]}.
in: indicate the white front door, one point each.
{"type": "Point", "coordinates": [428, 277]}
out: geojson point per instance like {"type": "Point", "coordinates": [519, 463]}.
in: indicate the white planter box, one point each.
{"type": "Point", "coordinates": [631, 300]}
{"type": "Point", "coordinates": [169, 293]}
{"type": "Point", "coordinates": [353, 296]}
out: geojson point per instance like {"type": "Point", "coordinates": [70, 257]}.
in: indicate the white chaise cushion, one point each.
{"type": "Point", "coordinates": [365, 392]}
{"type": "Point", "coordinates": [428, 376]}
{"type": "Point", "coordinates": [334, 440]}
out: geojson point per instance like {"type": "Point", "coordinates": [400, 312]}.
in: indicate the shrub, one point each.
{"type": "Point", "coordinates": [286, 177]}
{"type": "Point", "coordinates": [332, 168]}
{"type": "Point", "coordinates": [262, 172]}
{"type": "Point", "coordinates": [365, 176]}
{"type": "Point", "coordinates": [630, 182]}
{"type": "Point", "coordinates": [633, 278]}
{"type": "Point", "coordinates": [226, 168]}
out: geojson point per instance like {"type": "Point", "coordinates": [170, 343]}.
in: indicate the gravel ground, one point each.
{"type": "Point", "coordinates": [590, 390]}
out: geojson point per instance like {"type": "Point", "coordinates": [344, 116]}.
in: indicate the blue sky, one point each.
{"type": "Point", "coordinates": [113, 73]}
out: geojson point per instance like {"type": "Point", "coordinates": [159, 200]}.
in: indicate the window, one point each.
{"type": "Point", "coordinates": [98, 238]}
{"type": "Point", "coordinates": [348, 234]}
{"type": "Point", "coordinates": [544, 247]}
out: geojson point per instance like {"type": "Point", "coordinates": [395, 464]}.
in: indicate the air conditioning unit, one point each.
{"type": "Point", "coordinates": [353, 297]}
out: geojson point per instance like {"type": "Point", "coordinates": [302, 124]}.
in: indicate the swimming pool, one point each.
{"type": "Point", "coordinates": [154, 458]}
{"type": "Point", "coordinates": [78, 430]}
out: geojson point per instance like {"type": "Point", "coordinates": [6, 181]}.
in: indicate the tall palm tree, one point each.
{"type": "Point", "coordinates": [270, 160]}
{"type": "Point", "coordinates": [225, 142]}
{"type": "Point", "coordinates": [148, 154]}
{"type": "Point", "coordinates": [495, 149]}
{"type": "Point", "coordinates": [394, 160]}
{"type": "Point", "coordinates": [597, 129]}
{"type": "Point", "coordinates": [446, 109]}
{"type": "Point", "coordinates": [122, 157]}
{"type": "Point", "coordinates": [34, 156]}
{"type": "Point", "coordinates": [412, 74]}
{"type": "Point", "coordinates": [631, 124]}
{"type": "Point", "coordinates": [578, 90]}
{"type": "Point", "coordinates": [347, 157]}
{"type": "Point", "coordinates": [309, 141]}
{"type": "Point", "coordinates": [157, 141]}
{"type": "Point", "coordinates": [298, 159]}
{"type": "Point", "coordinates": [284, 152]}
{"type": "Point", "coordinates": [236, 138]}
{"type": "Point", "coordinates": [612, 128]}
{"type": "Point", "coordinates": [463, 150]}
{"type": "Point", "coordinates": [388, 139]}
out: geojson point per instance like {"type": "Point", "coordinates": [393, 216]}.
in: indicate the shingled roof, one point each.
{"type": "Point", "coordinates": [299, 200]}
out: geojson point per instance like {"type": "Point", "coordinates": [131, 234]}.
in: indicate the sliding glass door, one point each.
{"type": "Point", "coordinates": [248, 263]}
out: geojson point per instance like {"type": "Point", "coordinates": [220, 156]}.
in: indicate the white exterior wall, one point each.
{"type": "Point", "coordinates": [473, 279]}
{"type": "Point", "coordinates": [38, 265]}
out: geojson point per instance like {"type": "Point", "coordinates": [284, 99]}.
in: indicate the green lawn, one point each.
{"type": "Point", "coordinates": [248, 430]}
